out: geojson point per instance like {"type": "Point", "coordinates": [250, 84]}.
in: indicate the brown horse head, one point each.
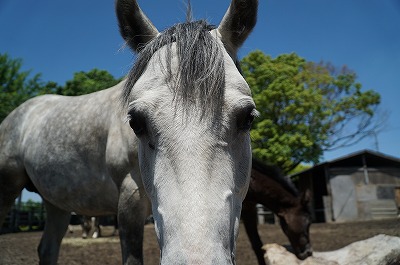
{"type": "Point", "coordinates": [295, 222]}
{"type": "Point", "coordinates": [269, 187]}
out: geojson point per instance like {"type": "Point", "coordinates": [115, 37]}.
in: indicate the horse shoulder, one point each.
{"type": "Point", "coordinates": [14, 126]}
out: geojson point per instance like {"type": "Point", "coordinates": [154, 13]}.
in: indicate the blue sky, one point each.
{"type": "Point", "coordinates": [58, 38]}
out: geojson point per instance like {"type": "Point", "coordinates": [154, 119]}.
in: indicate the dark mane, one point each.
{"type": "Point", "coordinates": [275, 173]}
{"type": "Point", "coordinates": [200, 80]}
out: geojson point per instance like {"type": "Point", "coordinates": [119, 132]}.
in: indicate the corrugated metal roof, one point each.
{"type": "Point", "coordinates": [373, 159]}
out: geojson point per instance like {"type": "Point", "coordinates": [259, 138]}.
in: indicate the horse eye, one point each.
{"type": "Point", "coordinates": [246, 119]}
{"type": "Point", "coordinates": [137, 123]}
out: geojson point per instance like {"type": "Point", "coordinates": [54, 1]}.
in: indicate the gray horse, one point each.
{"type": "Point", "coordinates": [190, 110]}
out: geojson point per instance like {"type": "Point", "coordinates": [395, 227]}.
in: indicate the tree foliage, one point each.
{"type": "Point", "coordinates": [88, 82]}
{"type": "Point", "coordinates": [305, 108]}
{"type": "Point", "coordinates": [16, 85]}
{"type": "Point", "coordinates": [29, 205]}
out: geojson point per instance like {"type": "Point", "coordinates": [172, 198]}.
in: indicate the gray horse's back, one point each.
{"type": "Point", "coordinates": [70, 148]}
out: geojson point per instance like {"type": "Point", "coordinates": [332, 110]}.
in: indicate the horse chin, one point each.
{"type": "Point", "coordinates": [194, 258]}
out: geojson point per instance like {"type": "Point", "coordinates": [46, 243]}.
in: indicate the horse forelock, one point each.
{"type": "Point", "coordinates": [200, 78]}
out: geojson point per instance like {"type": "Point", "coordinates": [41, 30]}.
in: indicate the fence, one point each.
{"type": "Point", "coordinates": [264, 215]}
{"type": "Point", "coordinates": [22, 220]}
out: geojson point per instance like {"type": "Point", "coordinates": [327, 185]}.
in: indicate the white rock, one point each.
{"type": "Point", "coordinates": [378, 250]}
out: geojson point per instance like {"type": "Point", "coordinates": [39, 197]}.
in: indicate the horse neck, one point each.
{"type": "Point", "coordinates": [110, 97]}
{"type": "Point", "coordinates": [103, 106]}
{"type": "Point", "coordinates": [267, 191]}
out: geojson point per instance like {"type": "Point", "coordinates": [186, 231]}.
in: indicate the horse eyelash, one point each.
{"type": "Point", "coordinates": [127, 118]}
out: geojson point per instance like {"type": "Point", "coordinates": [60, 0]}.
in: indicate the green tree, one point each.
{"type": "Point", "coordinates": [88, 82]}
{"type": "Point", "coordinates": [305, 108]}
{"type": "Point", "coordinates": [51, 88]}
{"type": "Point", "coordinates": [30, 205]}
{"type": "Point", "coordinates": [16, 85]}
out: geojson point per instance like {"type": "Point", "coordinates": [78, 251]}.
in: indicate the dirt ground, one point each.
{"type": "Point", "coordinates": [20, 248]}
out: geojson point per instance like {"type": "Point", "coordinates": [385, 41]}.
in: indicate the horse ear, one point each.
{"type": "Point", "coordinates": [306, 197]}
{"type": "Point", "coordinates": [237, 23]}
{"type": "Point", "coordinates": [134, 26]}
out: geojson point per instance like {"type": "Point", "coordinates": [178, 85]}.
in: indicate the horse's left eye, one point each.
{"type": "Point", "coordinates": [245, 120]}
{"type": "Point", "coordinates": [137, 123]}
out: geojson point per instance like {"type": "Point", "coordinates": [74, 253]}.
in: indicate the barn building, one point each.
{"type": "Point", "coordinates": [360, 186]}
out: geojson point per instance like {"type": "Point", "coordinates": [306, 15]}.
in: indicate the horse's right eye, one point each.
{"type": "Point", "coordinates": [246, 118]}
{"type": "Point", "coordinates": [137, 123]}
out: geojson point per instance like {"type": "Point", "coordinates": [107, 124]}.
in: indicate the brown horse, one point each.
{"type": "Point", "coordinates": [269, 188]}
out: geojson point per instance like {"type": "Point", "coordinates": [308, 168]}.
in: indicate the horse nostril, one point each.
{"type": "Point", "coordinates": [309, 250]}
{"type": "Point", "coordinates": [306, 252]}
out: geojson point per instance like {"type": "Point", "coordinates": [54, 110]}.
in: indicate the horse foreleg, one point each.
{"type": "Point", "coordinates": [131, 217]}
{"type": "Point", "coordinates": [86, 226]}
{"type": "Point", "coordinates": [96, 224]}
{"type": "Point", "coordinates": [249, 217]}
{"type": "Point", "coordinates": [54, 230]}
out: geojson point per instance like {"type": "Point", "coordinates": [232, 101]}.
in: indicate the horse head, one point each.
{"type": "Point", "coordinates": [295, 222]}
{"type": "Point", "coordinates": [191, 110]}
